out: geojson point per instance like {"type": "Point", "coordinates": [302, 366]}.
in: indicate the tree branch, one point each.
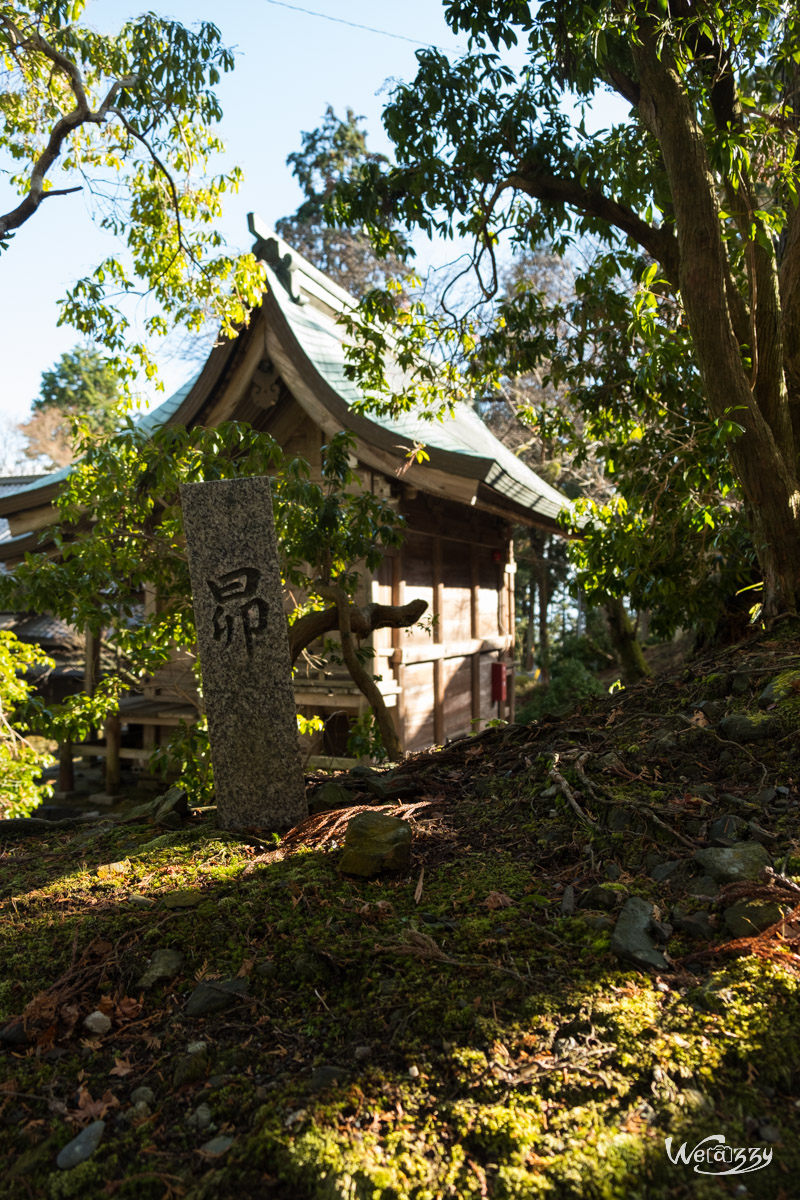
{"type": "Point", "coordinates": [362, 622]}
{"type": "Point", "coordinates": [660, 243]}
{"type": "Point", "coordinates": [81, 114]}
{"type": "Point", "coordinates": [364, 681]}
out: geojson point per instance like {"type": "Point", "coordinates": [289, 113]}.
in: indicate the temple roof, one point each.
{"type": "Point", "coordinates": [297, 328]}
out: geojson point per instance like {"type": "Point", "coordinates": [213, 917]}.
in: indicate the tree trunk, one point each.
{"type": "Point", "coordinates": [764, 456]}
{"type": "Point", "coordinates": [623, 638]}
{"type": "Point", "coordinates": [364, 681]}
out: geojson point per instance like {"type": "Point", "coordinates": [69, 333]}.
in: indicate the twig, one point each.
{"type": "Point", "coordinates": [561, 783]}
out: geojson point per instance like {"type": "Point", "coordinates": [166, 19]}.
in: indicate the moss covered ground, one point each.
{"type": "Point", "coordinates": [458, 1030]}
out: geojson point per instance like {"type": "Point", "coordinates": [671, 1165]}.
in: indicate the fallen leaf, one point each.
{"type": "Point", "coordinates": [127, 1008]}
{"type": "Point", "coordinates": [106, 1005]}
{"type": "Point", "coordinates": [93, 1110]}
{"type": "Point", "coordinates": [121, 1067]}
{"type": "Point", "coordinates": [418, 888]}
{"type": "Point", "coordinates": [246, 968]}
{"type": "Point", "coordinates": [498, 900]}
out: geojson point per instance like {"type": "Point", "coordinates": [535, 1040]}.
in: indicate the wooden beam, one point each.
{"type": "Point", "coordinates": [31, 519]}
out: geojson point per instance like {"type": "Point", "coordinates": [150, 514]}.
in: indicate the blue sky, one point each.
{"type": "Point", "coordinates": [290, 65]}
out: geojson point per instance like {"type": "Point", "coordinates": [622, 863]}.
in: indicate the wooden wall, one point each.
{"type": "Point", "coordinates": [455, 559]}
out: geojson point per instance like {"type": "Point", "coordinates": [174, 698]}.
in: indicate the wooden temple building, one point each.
{"type": "Point", "coordinates": [284, 375]}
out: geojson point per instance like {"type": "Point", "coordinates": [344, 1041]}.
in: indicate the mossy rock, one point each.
{"type": "Point", "coordinates": [375, 842]}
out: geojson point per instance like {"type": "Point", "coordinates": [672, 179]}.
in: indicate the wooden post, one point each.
{"type": "Point", "coordinates": [91, 669]}
{"type": "Point", "coordinates": [511, 568]}
{"type": "Point", "coordinates": [438, 636]}
{"type": "Point", "coordinates": [113, 743]}
{"type": "Point", "coordinates": [66, 771]}
{"type": "Point", "coordinates": [399, 598]}
{"type": "Point", "coordinates": [474, 633]}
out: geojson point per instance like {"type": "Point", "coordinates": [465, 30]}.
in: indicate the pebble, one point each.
{"type": "Point", "coordinates": [81, 1147]}
{"type": "Point", "coordinates": [414, 1072]}
{"type": "Point", "coordinates": [200, 1118]}
{"type": "Point", "coordinates": [218, 1145]}
{"type": "Point", "coordinates": [97, 1023]}
{"type": "Point", "coordinates": [143, 1095]}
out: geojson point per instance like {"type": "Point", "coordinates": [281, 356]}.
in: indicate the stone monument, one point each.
{"type": "Point", "coordinates": [244, 653]}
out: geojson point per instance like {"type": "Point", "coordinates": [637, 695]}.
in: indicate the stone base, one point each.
{"type": "Point", "coordinates": [103, 798]}
{"type": "Point", "coordinates": [59, 796]}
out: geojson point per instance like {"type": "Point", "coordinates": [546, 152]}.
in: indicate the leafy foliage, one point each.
{"type": "Point", "coordinates": [131, 119]}
{"type": "Point", "coordinates": [21, 763]}
{"type": "Point", "coordinates": [680, 351]}
{"type": "Point", "coordinates": [334, 152]}
{"type": "Point", "coordinates": [81, 387]}
{"type": "Point", "coordinates": [121, 544]}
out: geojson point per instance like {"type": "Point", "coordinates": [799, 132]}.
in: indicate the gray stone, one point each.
{"type": "Point", "coordinates": [81, 1147]}
{"type": "Point", "coordinates": [750, 917]}
{"type": "Point", "coordinates": [769, 1133]}
{"type": "Point", "coordinates": [739, 683]}
{"type": "Point", "coordinates": [266, 970]}
{"type": "Point", "coordinates": [97, 1023]}
{"type": "Point", "coordinates": [732, 864]}
{"type": "Point", "coordinates": [737, 801]}
{"type": "Point", "coordinates": [568, 901]}
{"type": "Point", "coordinates": [694, 924]}
{"type": "Point", "coordinates": [374, 842]}
{"type": "Point", "coordinates": [704, 885]}
{"type": "Point", "coordinates": [165, 964]}
{"type": "Point", "coordinates": [328, 797]}
{"type": "Point", "coordinates": [244, 651]}
{"type": "Point", "coordinates": [201, 1118]}
{"type": "Point", "coordinates": [170, 809]}
{"type": "Point", "coordinates": [727, 828]}
{"type": "Point", "coordinates": [218, 1145]}
{"type": "Point", "coordinates": [143, 1095]}
{"type": "Point", "coordinates": [190, 1068]}
{"type": "Point", "coordinates": [632, 938]}
{"type": "Point", "coordinates": [665, 870]}
{"type": "Point", "coordinates": [327, 1076]}
{"type": "Point", "coordinates": [139, 901]}
{"type": "Point", "coordinates": [738, 727]}
{"type": "Point", "coordinates": [779, 688]}
{"type": "Point", "coordinates": [214, 995]}
{"type": "Point", "coordinates": [712, 710]}
{"type": "Point", "coordinates": [599, 897]}
{"type": "Point", "coordinates": [141, 1110]}
{"type": "Point", "coordinates": [613, 871]}
{"type": "Point", "coordinates": [759, 834]}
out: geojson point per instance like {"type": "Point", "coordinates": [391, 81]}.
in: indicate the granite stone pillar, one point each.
{"type": "Point", "coordinates": [244, 654]}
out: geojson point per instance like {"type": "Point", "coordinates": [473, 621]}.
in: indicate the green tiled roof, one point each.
{"type": "Point", "coordinates": [484, 456]}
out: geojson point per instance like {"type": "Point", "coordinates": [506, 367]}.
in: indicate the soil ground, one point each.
{"type": "Point", "coordinates": [460, 1029]}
